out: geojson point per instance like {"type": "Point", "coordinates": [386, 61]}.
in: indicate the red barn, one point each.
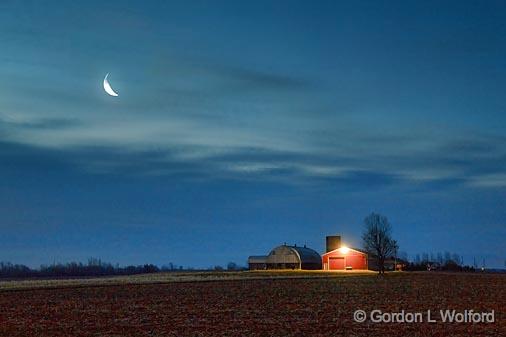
{"type": "Point", "coordinates": [339, 257]}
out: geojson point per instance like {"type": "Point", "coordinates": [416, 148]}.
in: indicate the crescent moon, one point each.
{"type": "Point", "coordinates": [107, 87]}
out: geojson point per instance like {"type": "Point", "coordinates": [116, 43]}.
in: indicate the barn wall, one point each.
{"type": "Point", "coordinates": [311, 266]}
{"type": "Point", "coordinates": [335, 260]}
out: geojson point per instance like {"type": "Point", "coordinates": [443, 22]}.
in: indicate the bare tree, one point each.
{"type": "Point", "coordinates": [377, 239]}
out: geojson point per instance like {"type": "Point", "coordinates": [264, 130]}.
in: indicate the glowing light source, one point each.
{"type": "Point", "coordinates": [344, 250]}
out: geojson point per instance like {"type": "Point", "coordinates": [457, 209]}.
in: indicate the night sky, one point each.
{"type": "Point", "coordinates": [242, 126]}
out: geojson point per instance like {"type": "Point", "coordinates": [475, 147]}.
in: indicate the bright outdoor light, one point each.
{"type": "Point", "coordinates": [344, 250]}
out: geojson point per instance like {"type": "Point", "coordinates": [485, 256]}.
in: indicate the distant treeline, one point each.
{"type": "Point", "coordinates": [448, 266]}
{"type": "Point", "coordinates": [440, 261]}
{"type": "Point", "coordinates": [94, 267]}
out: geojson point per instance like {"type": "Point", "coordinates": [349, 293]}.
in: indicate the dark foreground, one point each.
{"type": "Point", "coordinates": [253, 307]}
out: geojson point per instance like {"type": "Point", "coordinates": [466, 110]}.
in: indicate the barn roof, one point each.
{"type": "Point", "coordinates": [257, 259]}
{"type": "Point", "coordinates": [355, 249]}
{"type": "Point", "coordinates": [307, 254]}
{"type": "Point", "coordinates": [293, 254]}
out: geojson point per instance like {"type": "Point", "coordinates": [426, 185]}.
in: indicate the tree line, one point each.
{"type": "Point", "coordinates": [440, 261]}
{"type": "Point", "coordinates": [94, 267]}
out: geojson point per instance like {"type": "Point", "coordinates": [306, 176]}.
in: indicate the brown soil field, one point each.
{"type": "Point", "coordinates": [250, 304]}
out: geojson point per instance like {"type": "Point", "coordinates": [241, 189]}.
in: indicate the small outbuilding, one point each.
{"type": "Point", "coordinates": [339, 257]}
{"type": "Point", "coordinates": [287, 257]}
{"type": "Point", "coordinates": [257, 262]}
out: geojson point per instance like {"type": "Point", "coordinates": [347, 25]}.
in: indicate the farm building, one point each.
{"type": "Point", "coordinates": [287, 257]}
{"type": "Point", "coordinates": [338, 257]}
{"type": "Point", "coordinates": [390, 263]}
{"type": "Point", "coordinates": [257, 262]}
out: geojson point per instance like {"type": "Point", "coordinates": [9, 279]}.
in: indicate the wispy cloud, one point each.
{"type": "Point", "coordinates": [38, 124]}
{"type": "Point", "coordinates": [209, 153]}
{"type": "Point", "coordinates": [489, 180]}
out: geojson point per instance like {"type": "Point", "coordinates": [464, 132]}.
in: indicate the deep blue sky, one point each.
{"type": "Point", "coordinates": [242, 126]}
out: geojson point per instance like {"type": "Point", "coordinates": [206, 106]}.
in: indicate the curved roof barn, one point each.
{"type": "Point", "coordinates": [289, 257]}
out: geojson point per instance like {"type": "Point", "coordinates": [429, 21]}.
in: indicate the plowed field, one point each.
{"type": "Point", "coordinates": [255, 307]}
